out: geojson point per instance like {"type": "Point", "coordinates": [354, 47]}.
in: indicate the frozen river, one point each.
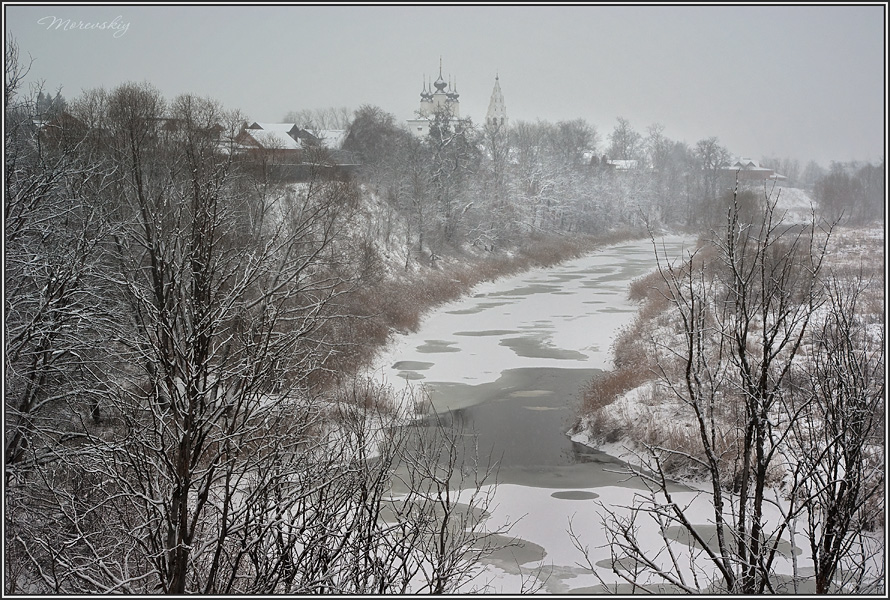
{"type": "Point", "coordinates": [507, 362]}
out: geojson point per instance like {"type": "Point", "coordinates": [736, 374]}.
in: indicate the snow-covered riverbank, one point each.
{"type": "Point", "coordinates": [806, 430]}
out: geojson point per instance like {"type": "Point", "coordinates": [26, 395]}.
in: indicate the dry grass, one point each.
{"type": "Point", "coordinates": [647, 287]}
{"type": "Point", "coordinates": [379, 308]}
{"type": "Point", "coordinates": [659, 419]}
{"type": "Point", "coordinates": [661, 424]}
{"type": "Point", "coordinates": [364, 394]}
{"type": "Point", "coordinates": [632, 355]}
{"type": "Point", "coordinates": [605, 389]}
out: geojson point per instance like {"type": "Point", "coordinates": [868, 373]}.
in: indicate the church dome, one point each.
{"type": "Point", "coordinates": [452, 93]}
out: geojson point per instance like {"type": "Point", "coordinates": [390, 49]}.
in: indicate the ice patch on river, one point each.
{"type": "Point", "coordinates": [543, 519]}
{"type": "Point", "coordinates": [560, 317]}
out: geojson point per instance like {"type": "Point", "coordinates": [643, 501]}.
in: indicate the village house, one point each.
{"type": "Point", "coordinates": [292, 153]}
{"type": "Point", "coordinates": [748, 170]}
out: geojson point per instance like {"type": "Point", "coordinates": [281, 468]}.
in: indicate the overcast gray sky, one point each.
{"type": "Point", "coordinates": [806, 82]}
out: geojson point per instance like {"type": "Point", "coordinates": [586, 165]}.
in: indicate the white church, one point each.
{"type": "Point", "coordinates": [446, 96]}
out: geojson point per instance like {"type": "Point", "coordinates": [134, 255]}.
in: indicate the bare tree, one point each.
{"type": "Point", "coordinates": [318, 119]}
{"type": "Point", "coordinates": [52, 227]}
{"type": "Point", "coordinates": [374, 134]}
{"type": "Point", "coordinates": [811, 174]}
{"type": "Point", "coordinates": [212, 460]}
{"type": "Point", "coordinates": [624, 142]}
{"type": "Point", "coordinates": [670, 170]}
{"type": "Point", "coordinates": [766, 415]}
{"type": "Point", "coordinates": [531, 181]}
{"type": "Point", "coordinates": [223, 315]}
{"type": "Point", "coordinates": [836, 448]}
{"type": "Point", "coordinates": [568, 140]}
{"type": "Point", "coordinates": [453, 158]}
{"type": "Point", "coordinates": [852, 192]}
{"type": "Point", "coordinates": [711, 158]}
{"type": "Point", "coordinates": [499, 222]}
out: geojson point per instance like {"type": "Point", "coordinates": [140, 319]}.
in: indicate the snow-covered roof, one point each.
{"type": "Point", "coordinates": [748, 164]}
{"type": "Point", "coordinates": [279, 127]}
{"type": "Point", "coordinates": [331, 138]}
{"type": "Point", "coordinates": [273, 139]}
{"type": "Point", "coordinates": [623, 164]}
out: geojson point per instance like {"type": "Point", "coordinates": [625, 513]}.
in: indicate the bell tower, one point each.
{"type": "Point", "coordinates": [497, 110]}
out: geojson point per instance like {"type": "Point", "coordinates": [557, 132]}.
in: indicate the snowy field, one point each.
{"type": "Point", "coordinates": [796, 205]}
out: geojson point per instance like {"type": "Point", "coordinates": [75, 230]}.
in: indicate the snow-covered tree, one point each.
{"type": "Point", "coordinates": [171, 323]}
{"type": "Point", "coordinates": [780, 379]}
{"type": "Point", "coordinates": [624, 142]}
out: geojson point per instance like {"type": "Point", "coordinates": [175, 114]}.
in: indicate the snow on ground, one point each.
{"type": "Point", "coordinates": [644, 408]}
{"type": "Point", "coordinates": [794, 198]}
{"type": "Point", "coordinates": [795, 204]}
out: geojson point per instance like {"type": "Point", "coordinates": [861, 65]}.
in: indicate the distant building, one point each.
{"type": "Point", "coordinates": [290, 135]}
{"type": "Point", "coordinates": [430, 101]}
{"type": "Point", "coordinates": [288, 142]}
{"type": "Point", "coordinates": [620, 164]}
{"type": "Point", "coordinates": [748, 170]}
{"type": "Point", "coordinates": [442, 95]}
{"type": "Point", "coordinates": [497, 109]}
{"type": "Point", "coordinates": [270, 136]}
{"type": "Point", "coordinates": [292, 153]}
